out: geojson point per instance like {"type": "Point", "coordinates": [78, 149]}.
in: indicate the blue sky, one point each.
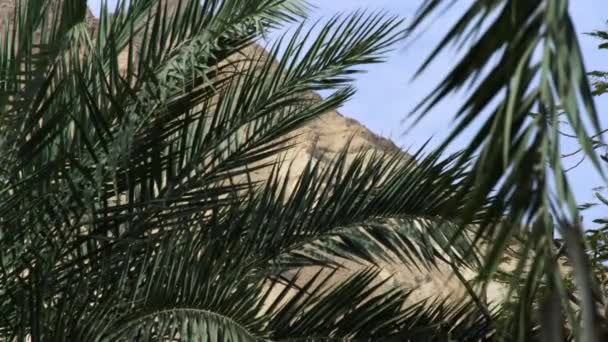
{"type": "Point", "coordinates": [386, 92]}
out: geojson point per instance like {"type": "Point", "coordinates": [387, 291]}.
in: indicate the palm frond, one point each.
{"type": "Point", "coordinates": [377, 208]}
{"type": "Point", "coordinates": [524, 58]}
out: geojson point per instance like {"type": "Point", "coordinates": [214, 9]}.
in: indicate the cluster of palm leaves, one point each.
{"type": "Point", "coordinates": [128, 210]}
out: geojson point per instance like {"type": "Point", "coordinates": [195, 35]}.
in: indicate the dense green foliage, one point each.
{"type": "Point", "coordinates": [129, 210]}
{"type": "Point", "coordinates": [126, 206]}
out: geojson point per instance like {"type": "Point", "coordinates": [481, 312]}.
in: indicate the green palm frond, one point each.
{"type": "Point", "coordinates": [220, 270]}
{"type": "Point", "coordinates": [217, 269]}
{"type": "Point", "coordinates": [523, 69]}
{"type": "Point", "coordinates": [371, 314]}
{"type": "Point", "coordinates": [378, 208]}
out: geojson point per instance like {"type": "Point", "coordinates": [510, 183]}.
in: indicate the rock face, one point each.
{"type": "Point", "coordinates": [321, 139]}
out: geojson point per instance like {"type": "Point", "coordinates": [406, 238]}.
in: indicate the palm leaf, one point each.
{"type": "Point", "coordinates": [524, 57]}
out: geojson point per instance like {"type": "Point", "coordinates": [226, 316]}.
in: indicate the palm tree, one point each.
{"type": "Point", "coordinates": [525, 74]}
{"type": "Point", "coordinates": [128, 209]}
